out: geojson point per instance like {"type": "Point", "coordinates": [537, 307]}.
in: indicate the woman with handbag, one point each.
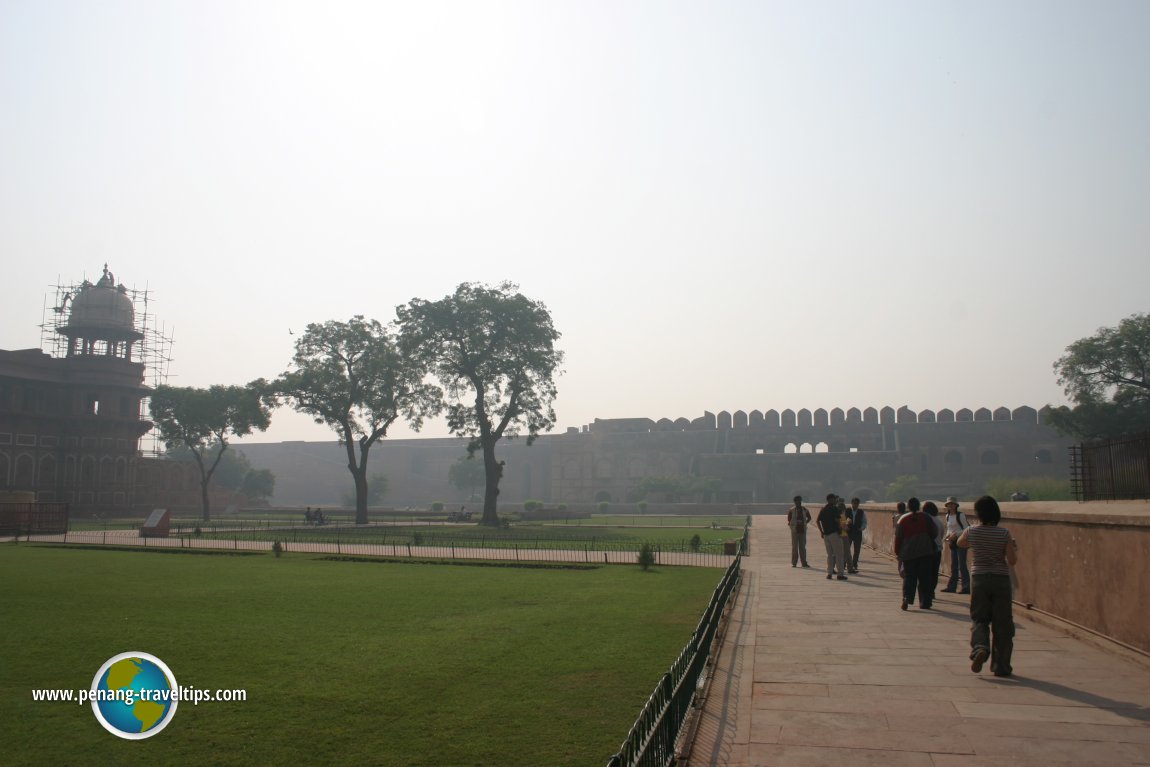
{"type": "Point", "coordinates": [959, 572]}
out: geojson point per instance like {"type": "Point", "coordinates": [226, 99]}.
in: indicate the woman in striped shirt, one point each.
{"type": "Point", "coordinates": [992, 552]}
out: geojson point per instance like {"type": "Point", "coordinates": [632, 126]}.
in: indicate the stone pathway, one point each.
{"type": "Point", "coordinates": [816, 672]}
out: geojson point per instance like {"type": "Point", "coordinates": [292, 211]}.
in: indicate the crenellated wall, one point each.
{"type": "Point", "coordinates": [774, 455]}
{"type": "Point", "coordinates": [791, 420]}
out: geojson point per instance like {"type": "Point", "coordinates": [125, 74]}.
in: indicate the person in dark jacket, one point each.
{"type": "Point", "coordinates": [830, 530]}
{"type": "Point", "coordinates": [858, 523]}
{"type": "Point", "coordinates": [914, 545]}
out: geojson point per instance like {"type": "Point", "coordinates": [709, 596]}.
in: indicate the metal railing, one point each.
{"type": "Point", "coordinates": [603, 553]}
{"type": "Point", "coordinates": [651, 741]}
{"type": "Point", "coordinates": [1111, 470]}
{"type": "Point", "coordinates": [33, 518]}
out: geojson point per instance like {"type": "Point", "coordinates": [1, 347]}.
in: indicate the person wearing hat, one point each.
{"type": "Point", "coordinates": [955, 524]}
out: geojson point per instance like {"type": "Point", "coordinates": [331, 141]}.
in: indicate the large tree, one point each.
{"type": "Point", "coordinates": [493, 350]}
{"type": "Point", "coordinates": [233, 472]}
{"type": "Point", "coordinates": [203, 420]}
{"type": "Point", "coordinates": [466, 474]}
{"type": "Point", "coordinates": [352, 377]}
{"type": "Point", "coordinates": [1107, 376]}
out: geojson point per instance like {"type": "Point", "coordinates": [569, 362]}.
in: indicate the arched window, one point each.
{"type": "Point", "coordinates": [88, 470]}
{"type": "Point", "coordinates": [806, 447]}
{"type": "Point", "coordinates": [791, 448]}
{"type": "Point", "coordinates": [47, 478]}
{"type": "Point", "coordinates": [3, 470]}
{"type": "Point", "coordinates": [822, 447]}
{"type": "Point", "coordinates": [25, 468]}
{"type": "Point", "coordinates": [952, 461]}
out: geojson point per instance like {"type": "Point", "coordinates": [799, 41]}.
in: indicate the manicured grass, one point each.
{"type": "Point", "coordinates": [343, 662]}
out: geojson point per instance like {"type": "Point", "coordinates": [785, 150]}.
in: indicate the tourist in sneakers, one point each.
{"type": "Point", "coordinates": [798, 518]}
{"type": "Point", "coordinates": [858, 522]}
{"type": "Point", "coordinates": [959, 572]}
{"type": "Point", "coordinates": [828, 524]}
{"type": "Point", "coordinates": [914, 545]}
{"type": "Point", "coordinates": [993, 551]}
{"type": "Point", "coordinates": [930, 508]}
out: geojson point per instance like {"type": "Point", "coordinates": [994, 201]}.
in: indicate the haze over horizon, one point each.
{"type": "Point", "coordinates": [726, 206]}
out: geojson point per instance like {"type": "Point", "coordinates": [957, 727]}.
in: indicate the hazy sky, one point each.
{"type": "Point", "coordinates": [726, 205]}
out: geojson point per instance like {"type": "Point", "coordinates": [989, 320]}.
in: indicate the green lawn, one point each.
{"type": "Point", "coordinates": [343, 662]}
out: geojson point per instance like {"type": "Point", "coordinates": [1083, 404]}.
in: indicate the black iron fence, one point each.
{"type": "Point", "coordinates": [1111, 470]}
{"type": "Point", "coordinates": [651, 741]}
{"type": "Point", "coordinates": [601, 553]}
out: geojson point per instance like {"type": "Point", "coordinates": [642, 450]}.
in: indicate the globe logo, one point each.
{"type": "Point", "coordinates": [134, 695]}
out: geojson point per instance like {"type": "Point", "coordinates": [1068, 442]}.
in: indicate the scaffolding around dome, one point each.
{"type": "Point", "coordinates": [106, 319]}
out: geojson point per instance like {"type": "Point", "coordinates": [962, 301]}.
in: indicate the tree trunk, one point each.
{"type": "Point", "coordinates": [493, 470]}
{"type": "Point", "coordinates": [204, 482]}
{"type": "Point", "coordinates": [360, 475]}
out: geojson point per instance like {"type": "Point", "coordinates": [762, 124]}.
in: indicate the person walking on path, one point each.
{"type": "Point", "coordinates": [798, 518]}
{"type": "Point", "coordinates": [855, 532]}
{"type": "Point", "coordinates": [993, 551]}
{"type": "Point", "coordinates": [930, 508]}
{"type": "Point", "coordinates": [844, 530]}
{"type": "Point", "coordinates": [959, 572]}
{"type": "Point", "coordinates": [914, 546]}
{"type": "Point", "coordinates": [828, 524]}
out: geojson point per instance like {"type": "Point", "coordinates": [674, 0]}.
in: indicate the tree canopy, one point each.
{"type": "Point", "coordinates": [352, 377]}
{"type": "Point", "coordinates": [466, 474]}
{"type": "Point", "coordinates": [493, 351]}
{"type": "Point", "coordinates": [1107, 377]}
{"type": "Point", "coordinates": [203, 420]}
{"type": "Point", "coordinates": [678, 486]}
{"type": "Point", "coordinates": [234, 472]}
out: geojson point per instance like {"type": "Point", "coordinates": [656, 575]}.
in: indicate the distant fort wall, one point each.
{"type": "Point", "coordinates": [759, 458]}
{"type": "Point", "coordinates": [773, 455]}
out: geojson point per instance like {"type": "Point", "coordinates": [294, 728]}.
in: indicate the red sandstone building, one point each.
{"type": "Point", "coordinates": [70, 425]}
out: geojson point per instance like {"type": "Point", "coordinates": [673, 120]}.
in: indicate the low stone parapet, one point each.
{"type": "Point", "coordinates": [1082, 562]}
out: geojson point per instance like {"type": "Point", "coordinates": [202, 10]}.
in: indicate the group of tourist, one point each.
{"type": "Point", "coordinates": [920, 539]}
{"type": "Point", "coordinates": [918, 543]}
{"type": "Point", "coordinates": [841, 528]}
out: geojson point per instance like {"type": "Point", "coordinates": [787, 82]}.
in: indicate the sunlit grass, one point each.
{"type": "Point", "coordinates": [343, 663]}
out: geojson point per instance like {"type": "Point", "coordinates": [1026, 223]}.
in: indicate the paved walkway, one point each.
{"type": "Point", "coordinates": [816, 672]}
